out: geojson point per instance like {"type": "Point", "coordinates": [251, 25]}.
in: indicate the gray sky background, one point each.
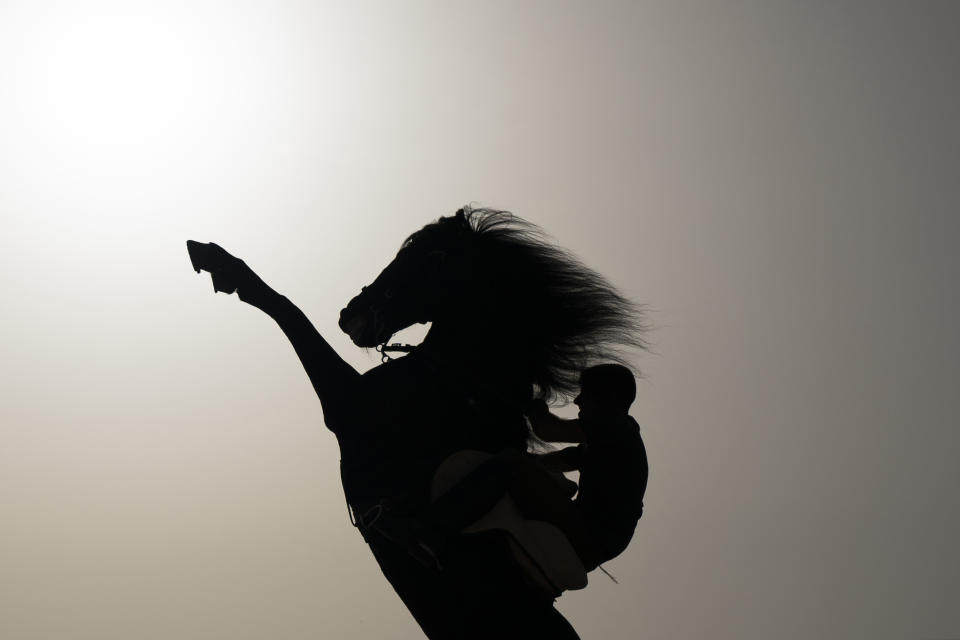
{"type": "Point", "coordinates": [777, 180]}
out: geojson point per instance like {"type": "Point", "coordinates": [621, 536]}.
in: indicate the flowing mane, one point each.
{"type": "Point", "coordinates": [560, 314]}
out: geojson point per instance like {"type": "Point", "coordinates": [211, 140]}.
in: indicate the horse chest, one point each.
{"type": "Point", "coordinates": [404, 421]}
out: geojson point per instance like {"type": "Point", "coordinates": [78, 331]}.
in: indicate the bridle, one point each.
{"type": "Point", "coordinates": [383, 347]}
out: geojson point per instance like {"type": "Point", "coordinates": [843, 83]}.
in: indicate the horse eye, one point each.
{"type": "Point", "coordinates": [388, 294]}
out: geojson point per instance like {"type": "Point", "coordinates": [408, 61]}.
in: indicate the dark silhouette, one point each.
{"type": "Point", "coordinates": [611, 459]}
{"type": "Point", "coordinates": [598, 525]}
{"type": "Point", "coordinates": [513, 318]}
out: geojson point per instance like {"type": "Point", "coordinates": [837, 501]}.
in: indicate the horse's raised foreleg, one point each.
{"type": "Point", "coordinates": [332, 378]}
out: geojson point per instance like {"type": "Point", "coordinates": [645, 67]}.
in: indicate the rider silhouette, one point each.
{"type": "Point", "coordinates": [611, 459]}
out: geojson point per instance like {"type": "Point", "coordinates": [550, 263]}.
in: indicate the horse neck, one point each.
{"type": "Point", "coordinates": [476, 349]}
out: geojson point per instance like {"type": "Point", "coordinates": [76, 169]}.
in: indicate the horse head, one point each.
{"type": "Point", "coordinates": [496, 282]}
{"type": "Point", "coordinates": [418, 284]}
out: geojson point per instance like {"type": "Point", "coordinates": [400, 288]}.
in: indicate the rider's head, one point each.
{"type": "Point", "coordinates": [606, 390]}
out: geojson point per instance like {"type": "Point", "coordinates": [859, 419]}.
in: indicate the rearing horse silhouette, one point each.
{"type": "Point", "coordinates": [512, 317]}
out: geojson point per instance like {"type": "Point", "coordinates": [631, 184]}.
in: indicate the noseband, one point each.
{"type": "Point", "coordinates": [383, 348]}
{"type": "Point", "coordinates": [375, 309]}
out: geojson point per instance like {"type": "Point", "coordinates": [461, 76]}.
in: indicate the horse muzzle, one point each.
{"type": "Point", "coordinates": [362, 328]}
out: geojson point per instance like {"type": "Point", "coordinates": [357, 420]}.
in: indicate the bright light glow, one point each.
{"type": "Point", "coordinates": [115, 103]}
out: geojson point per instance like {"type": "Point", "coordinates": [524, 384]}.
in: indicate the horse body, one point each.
{"type": "Point", "coordinates": [512, 316]}
{"type": "Point", "coordinates": [402, 418]}
{"type": "Point", "coordinates": [405, 418]}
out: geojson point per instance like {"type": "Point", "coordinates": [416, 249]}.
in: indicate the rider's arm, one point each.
{"type": "Point", "coordinates": [551, 428]}
{"type": "Point", "coordinates": [567, 459]}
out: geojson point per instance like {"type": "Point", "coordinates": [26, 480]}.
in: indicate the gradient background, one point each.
{"type": "Point", "coordinates": [778, 181]}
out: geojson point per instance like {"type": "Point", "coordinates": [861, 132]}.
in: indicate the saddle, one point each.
{"type": "Point", "coordinates": [542, 549]}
